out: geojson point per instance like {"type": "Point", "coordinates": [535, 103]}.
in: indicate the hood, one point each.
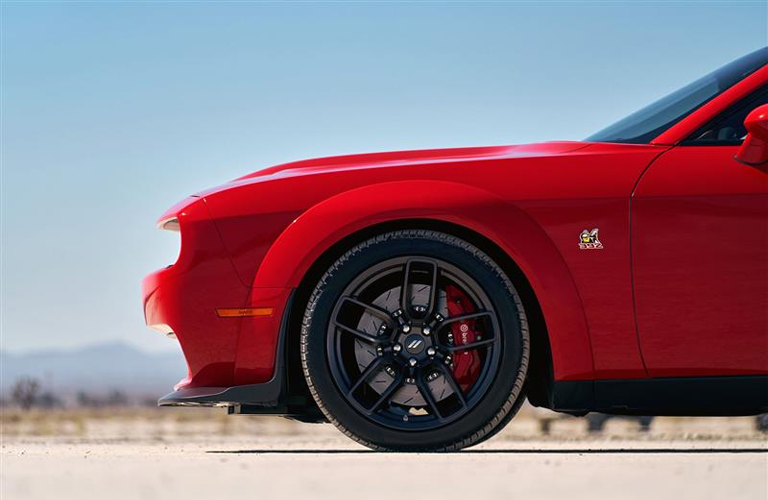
{"type": "Point", "coordinates": [423, 156]}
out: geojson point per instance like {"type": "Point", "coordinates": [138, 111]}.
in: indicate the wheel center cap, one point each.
{"type": "Point", "coordinates": [414, 343]}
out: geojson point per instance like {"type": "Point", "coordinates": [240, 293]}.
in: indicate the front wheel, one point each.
{"type": "Point", "coordinates": [416, 340]}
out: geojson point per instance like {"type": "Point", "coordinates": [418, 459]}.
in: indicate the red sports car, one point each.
{"type": "Point", "coordinates": [415, 298]}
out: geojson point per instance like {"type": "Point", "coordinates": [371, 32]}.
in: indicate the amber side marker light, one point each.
{"type": "Point", "coordinates": [244, 312]}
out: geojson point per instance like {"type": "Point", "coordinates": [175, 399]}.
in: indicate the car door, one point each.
{"type": "Point", "coordinates": [700, 255]}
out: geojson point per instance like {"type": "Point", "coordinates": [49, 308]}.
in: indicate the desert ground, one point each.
{"type": "Point", "coordinates": [203, 453]}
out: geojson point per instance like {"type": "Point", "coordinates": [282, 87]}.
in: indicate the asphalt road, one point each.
{"type": "Point", "coordinates": [295, 467]}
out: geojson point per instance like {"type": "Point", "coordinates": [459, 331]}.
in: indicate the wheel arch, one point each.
{"type": "Point", "coordinates": [310, 244]}
{"type": "Point", "coordinates": [541, 365]}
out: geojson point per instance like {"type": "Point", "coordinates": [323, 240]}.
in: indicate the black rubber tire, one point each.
{"type": "Point", "coordinates": [505, 394]}
{"type": "Point", "coordinates": [761, 422]}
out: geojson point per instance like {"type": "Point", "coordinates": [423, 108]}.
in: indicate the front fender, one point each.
{"type": "Point", "coordinates": [316, 230]}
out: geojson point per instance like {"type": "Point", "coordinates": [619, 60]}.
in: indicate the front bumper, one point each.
{"type": "Point", "coordinates": [183, 298]}
{"type": "Point", "coordinates": [272, 397]}
{"type": "Point", "coordinates": [266, 394]}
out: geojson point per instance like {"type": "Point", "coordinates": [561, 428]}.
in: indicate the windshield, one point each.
{"type": "Point", "coordinates": [641, 127]}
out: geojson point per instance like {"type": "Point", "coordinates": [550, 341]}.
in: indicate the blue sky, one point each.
{"type": "Point", "coordinates": [113, 111]}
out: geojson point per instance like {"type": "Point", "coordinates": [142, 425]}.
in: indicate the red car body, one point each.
{"type": "Point", "coordinates": [678, 289]}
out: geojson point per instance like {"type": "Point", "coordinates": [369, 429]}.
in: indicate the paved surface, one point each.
{"type": "Point", "coordinates": [329, 466]}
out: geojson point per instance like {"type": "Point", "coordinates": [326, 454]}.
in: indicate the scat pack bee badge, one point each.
{"type": "Point", "coordinates": [588, 240]}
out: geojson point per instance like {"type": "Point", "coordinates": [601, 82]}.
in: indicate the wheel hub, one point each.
{"type": "Point", "coordinates": [415, 344]}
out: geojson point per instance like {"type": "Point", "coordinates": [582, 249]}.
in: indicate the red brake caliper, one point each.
{"type": "Point", "coordinates": [466, 364]}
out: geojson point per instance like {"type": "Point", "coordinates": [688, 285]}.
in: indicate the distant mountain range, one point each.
{"type": "Point", "coordinates": [97, 369]}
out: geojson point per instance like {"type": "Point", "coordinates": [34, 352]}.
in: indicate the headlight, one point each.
{"type": "Point", "coordinates": [169, 224]}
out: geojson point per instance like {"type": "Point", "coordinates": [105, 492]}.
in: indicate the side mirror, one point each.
{"type": "Point", "coordinates": [754, 150]}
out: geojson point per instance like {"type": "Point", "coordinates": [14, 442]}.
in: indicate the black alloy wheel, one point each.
{"type": "Point", "coordinates": [416, 340]}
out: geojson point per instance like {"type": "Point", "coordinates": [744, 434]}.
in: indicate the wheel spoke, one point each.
{"type": "Point", "coordinates": [432, 289]}
{"type": "Point", "coordinates": [426, 393]}
{"type": "Point", "coordinates": [364, 336]}
{"type": "Point", "coordinates": [369, 370]}
{"type": "Point", "coordinates": [465, 317]}
{"type": "Point", "coordinates": [371, 309]}
{"type": "Point", "coordinates": [408, 283]}
{"type": "Point", "coordinates": [388, 392]}
{"type": "Point", "coordinates": [452, 382]}
{"type": "Point", "coordinates": [471, 345]}
{"type": "Point", "coordinates": [377, 312]}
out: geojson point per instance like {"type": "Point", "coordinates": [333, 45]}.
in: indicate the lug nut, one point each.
{"type": "Point", "coordinates": [397, 347]}
{"type": "Point", "coordinates": [426, 330]}
{"type": "Point", "coordinates": [431, 351]}
{"type": "Point", "coordinates": [412, 362]}
{"type": "Point", "coordinates": [406, 328]}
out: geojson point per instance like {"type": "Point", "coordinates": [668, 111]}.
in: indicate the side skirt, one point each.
{"type": "Point", "coordinates": [695, 396]}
